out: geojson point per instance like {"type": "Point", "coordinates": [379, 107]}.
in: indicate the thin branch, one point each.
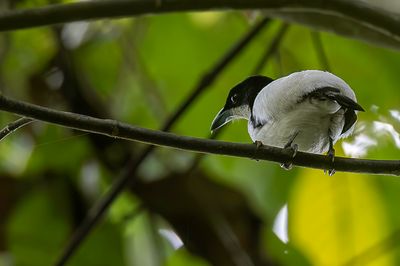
{"type": "Point", "coordinates": [13, 126]}
{"type": "Point", "coordinates": [119, 130]}
{"type": "Point", "coordinates": [127, 178]}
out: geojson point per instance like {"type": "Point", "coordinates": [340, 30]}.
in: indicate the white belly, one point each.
{"type": "Point", "coordinates": [312, 126]}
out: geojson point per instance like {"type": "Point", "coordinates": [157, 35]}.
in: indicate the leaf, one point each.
{"type": "Point", "coordinates": [348, 18]}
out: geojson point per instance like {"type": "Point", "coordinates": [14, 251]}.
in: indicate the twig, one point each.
{"type": "Point", "coordinates": [271, 49]}
{"type": "Point", "coordinates": [119, 130]}
{"type": "Point", "coordinates": [128, 176]}
{"type": "Point", "coordinates": [13, 126]}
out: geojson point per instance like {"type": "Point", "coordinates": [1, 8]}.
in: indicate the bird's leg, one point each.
{"type": "Point", "coordinates": [331, 156]}
{"type": "Point", "coordinates": [258, 144]}
{"type": "Point", "coordinates": [293, 149]}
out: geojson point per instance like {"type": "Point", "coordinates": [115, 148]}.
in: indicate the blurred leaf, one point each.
{"type": "Point", "coordinates": [37, 228]}
{"type": "Point", "coordinates": [332, 219]}
{"type": "Point", "coordinates": [354, 26]}
{"type": "Point", "coordinates": [22, 60]}
{"type": "Point", "coordinates": [182, 258]}
{"type": "Point", "coordinates": [100, 60]}
{"type": "Point", "coordinates": [104, 247]}
{"type": "Point", "coordinates": [284, 253]}
{"type": "Point", "coordinates": [57, 150]}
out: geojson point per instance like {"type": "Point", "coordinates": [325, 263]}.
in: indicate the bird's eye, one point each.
{"type": "Point", "coordinates": [234, 98]}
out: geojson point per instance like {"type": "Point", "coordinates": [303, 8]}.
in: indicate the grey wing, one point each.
{"type": "Point", "coordinates": [350, 116]}
{"type": "Point", "coordinates": [335, 95]}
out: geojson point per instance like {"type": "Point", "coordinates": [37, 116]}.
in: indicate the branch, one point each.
{"type": "Point", "coordinates": [13, 126]}
{"type": "Point", "coordinates": [351, 18]}
{"type": "Point", "coordinates": [119, 130]}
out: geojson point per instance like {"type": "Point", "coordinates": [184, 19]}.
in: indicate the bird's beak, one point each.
{"type": "Point", "coordinates": [348, 103]}
{"type": "Point", "coordinates": [223, 117]}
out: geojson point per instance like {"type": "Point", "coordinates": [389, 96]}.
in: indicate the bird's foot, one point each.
{"type": "Point", "coordinates": [293, 149]}
{"type": "Point", "coordinates": [258, 144]}
{"type": "Point", "coordinates": [331, 156]}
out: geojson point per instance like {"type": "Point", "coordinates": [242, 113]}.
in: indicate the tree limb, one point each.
{"type": "Point", "coordinates": [119, 130]}
{"type": "Point", "coordinates": [352, 18]}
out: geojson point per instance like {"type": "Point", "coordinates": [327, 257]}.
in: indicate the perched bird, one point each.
{"type": "Point", "coordinates": [306, 111]}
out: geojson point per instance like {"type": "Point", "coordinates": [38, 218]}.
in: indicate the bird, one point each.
{"type": "Point", "coordinates": [307, 111]}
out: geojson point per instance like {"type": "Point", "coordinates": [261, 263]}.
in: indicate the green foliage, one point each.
{"type": "Point", "coordinates": [141, 69]}
{"type": "Point", "coordinates": [36, 228]}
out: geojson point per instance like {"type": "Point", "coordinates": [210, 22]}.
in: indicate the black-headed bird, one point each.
{"type": "Point", "coordinates": [307, 111]}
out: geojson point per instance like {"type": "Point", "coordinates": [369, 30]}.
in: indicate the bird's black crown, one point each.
{"type": "Point", "coordinates": [246, 92]}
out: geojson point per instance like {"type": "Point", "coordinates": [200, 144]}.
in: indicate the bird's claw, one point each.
{"type": "Point", "coordinates": [331, 156]}
{"type": "Point", "coordinates": [293, 149]}
{"type": "Point", "coordinates": [258, 144]}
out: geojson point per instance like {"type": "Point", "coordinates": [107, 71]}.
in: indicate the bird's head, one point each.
{"type": "Point", "coordinates": [240, 101]}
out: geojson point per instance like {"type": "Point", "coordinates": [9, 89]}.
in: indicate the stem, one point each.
{"type": "Point", "coordinates": [13, 126]}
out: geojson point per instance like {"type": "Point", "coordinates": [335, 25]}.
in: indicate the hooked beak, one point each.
{"type": "Point", "coordinates": [223, 117]}
{"type": "Point", "coordinates": [348, 103]}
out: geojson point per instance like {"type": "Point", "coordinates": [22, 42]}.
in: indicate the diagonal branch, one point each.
{"type": "Point", "coordinates": [119, 130]}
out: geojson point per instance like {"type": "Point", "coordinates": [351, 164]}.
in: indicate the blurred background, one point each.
{"type": "Point", "coordinates": [189, 210]}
